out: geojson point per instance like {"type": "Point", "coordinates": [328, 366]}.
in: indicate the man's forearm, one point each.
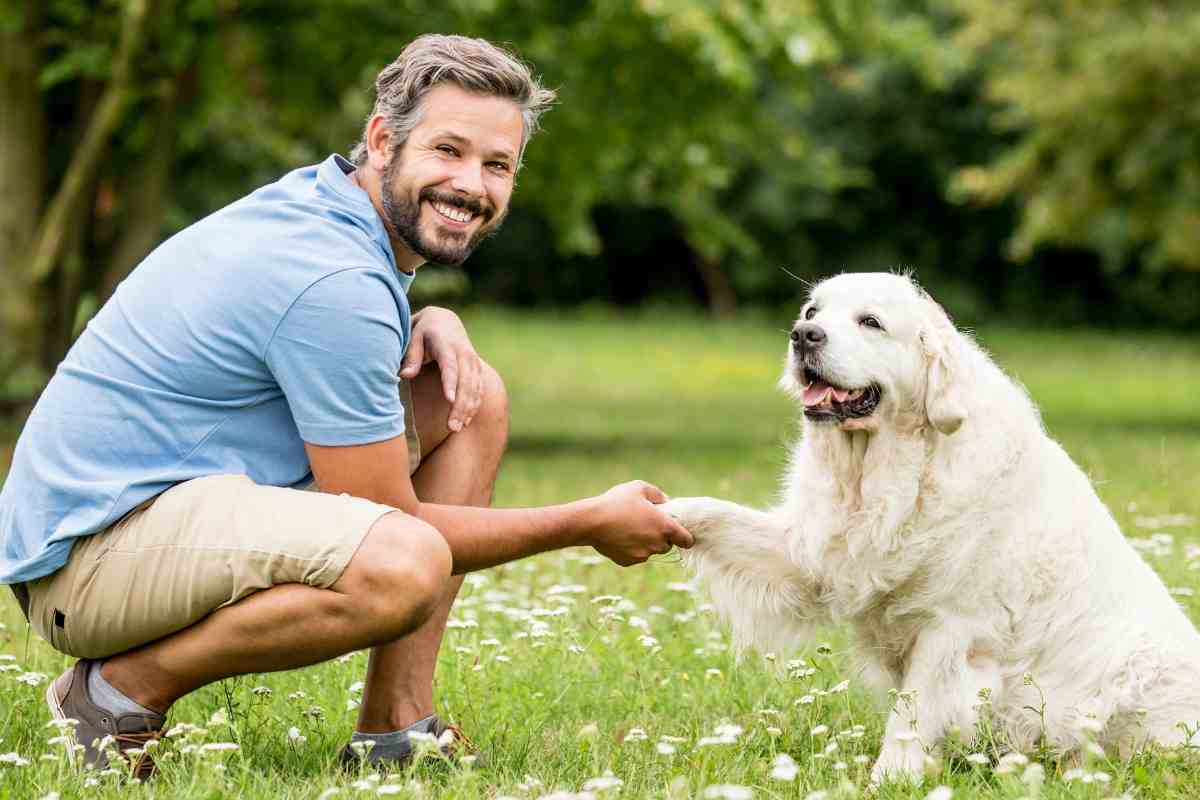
{"type": "Point", "coordinates": [624, 524]}
{"type": "Point", "coordinates": [484, 537]}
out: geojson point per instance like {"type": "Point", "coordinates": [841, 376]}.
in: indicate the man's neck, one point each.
{"type": "Point", "coordinates": [406, 260]}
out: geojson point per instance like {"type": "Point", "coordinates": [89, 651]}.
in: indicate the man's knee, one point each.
{"type": "Point", "coordinates": [398, 576]}
{"type": "Point", "coordinates": [492, 416]}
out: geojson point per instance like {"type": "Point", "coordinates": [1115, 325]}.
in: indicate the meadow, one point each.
{"type": "Point", "coordinates": [574, 675]}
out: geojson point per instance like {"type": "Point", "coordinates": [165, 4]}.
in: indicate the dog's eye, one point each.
{"type": "Point", "coordinates": [871, 322]}
{"type": "Point", "coordinates": [810, 313]}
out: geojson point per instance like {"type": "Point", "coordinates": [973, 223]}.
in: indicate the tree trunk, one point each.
{"type": "Point", "coordinates": [22, 178]}
{"type": "Point", "coordinates": [59, 321]}
{"type": "Point", "coordinates": [58, 295]}
{"type": "Point", "coordinates": [718, 290]}
{"type": "Point", "coordinates": [86, 160]}
{"type": "Point", "coordinates": [144, 196]}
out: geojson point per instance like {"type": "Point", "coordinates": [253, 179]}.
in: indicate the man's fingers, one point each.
{"type": "Point", "coordinates": [449, 368]}
{"type": "Point", "coordinates": [653, 493]}
{"type": "Point", "coordinates": [679, 535]}
{"type": "Point", "coordinates": [474, 397]}
{"type": "Point", "coordinates": [464, 396]}
{"type": "Point", "coordinates": [414, 357]}
{"type": "Point", "coordinates": [480, 385]}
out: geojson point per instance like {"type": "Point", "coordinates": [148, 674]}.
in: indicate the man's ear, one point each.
{"type": "Point", "coordinates": [379, 143]}
{"type": "Point", "coordinates": [945, 395]}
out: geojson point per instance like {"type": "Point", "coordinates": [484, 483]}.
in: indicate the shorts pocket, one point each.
{"type": "Point", "coordinates": [47, 614]}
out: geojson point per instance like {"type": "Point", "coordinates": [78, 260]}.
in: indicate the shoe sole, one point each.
{"type": "Point", "coordinates": [57, 712]}
{"type": "Point", "coordinates": [53, 701]}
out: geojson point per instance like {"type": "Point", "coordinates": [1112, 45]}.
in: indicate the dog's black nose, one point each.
{"type": "Point", "coordinates": [807, 336]}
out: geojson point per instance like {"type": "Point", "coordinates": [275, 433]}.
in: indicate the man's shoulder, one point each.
{"type": "Point", "coordinates": [274, 244]}
{"type": "Point", "coordinates": [304, 214]}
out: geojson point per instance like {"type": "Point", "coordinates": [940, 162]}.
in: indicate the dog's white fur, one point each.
{"type": "Point", "coordinates": [965, 547]}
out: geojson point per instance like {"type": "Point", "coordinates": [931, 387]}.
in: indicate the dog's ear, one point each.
{"type": "Point", "coordinates": [945, 407]}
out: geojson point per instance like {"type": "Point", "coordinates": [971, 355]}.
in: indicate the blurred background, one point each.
{"type": "Point", "coordinates": [1032, 161]}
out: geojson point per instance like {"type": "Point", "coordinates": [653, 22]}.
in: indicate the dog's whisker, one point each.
{"type": "Point", "coordinates": [806, 284]}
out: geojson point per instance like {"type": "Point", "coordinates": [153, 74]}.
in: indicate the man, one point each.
{"type": "Point", "coordinates": [154, 522]}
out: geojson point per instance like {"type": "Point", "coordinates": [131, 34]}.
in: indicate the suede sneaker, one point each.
{"type": "Point", "coordinates": [98, 729]}
{"type": "Point", "coordinates": [453, 743]}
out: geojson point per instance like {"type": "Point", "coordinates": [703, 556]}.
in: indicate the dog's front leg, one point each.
{"type": "Point", "coordinates": [742, 558]}
{"type": "Point", "coordinates": [945, 674]}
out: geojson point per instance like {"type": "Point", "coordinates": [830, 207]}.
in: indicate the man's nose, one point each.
{"type": "Point", "coordinates": [468, 179]}
{"type": "Point", "coordinates": [807, 337]}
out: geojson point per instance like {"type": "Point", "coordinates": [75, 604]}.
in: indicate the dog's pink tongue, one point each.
{"type": "Point", "coordinates": [814, 395]}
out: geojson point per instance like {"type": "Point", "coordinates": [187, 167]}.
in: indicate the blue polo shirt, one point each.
{"type": "Point", "coordinates": [279, 320]}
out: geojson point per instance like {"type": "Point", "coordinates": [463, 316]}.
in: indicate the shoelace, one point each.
{"type": "Point", "coordinates": [143, 765]}
{"type": "Point", "coordinates": [460, 736]}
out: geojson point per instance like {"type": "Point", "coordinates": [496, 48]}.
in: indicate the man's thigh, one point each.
{"type": "Point", "coordinates": [201, 545]}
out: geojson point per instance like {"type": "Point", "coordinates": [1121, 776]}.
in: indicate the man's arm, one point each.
{"type": "Point", "coordinates": [625, 523]}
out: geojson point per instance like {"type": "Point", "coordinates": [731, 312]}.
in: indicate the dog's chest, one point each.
{"type": "Point", "coordinates": [888, 634]}
{"type": "Point", "coordinates": [865, 583]}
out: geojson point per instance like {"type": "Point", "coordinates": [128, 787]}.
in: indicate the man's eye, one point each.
{"type": "Point", "coordinates": [499, 166]}
{"type": "Point", "coordinates": [811, 312]}
{"type": "Point", "coordinates": [871, 322]}
{"type": "Point", "coordinates": [445, 148]}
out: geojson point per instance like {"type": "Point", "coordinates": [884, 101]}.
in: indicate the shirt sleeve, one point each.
{"type": "Point", "coordinates": [336, 355]}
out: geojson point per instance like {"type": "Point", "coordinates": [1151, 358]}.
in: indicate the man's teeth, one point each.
{"type": "Point", "coordinates": [456, 214]}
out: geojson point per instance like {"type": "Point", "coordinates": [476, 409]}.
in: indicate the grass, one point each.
{"type": "Point", "coordinates": [548, 666]}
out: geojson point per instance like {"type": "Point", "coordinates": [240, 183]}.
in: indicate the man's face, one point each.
{"type": "Point", "coordinates": [447, 188]}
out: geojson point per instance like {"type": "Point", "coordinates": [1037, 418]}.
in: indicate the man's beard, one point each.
{"type": "Point", "coordinates": [404, 218]}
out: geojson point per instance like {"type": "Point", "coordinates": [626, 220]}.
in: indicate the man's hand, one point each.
{"type": "Point", "coordinates": [627, 525]}
{"type": "Point", "coordinates": [438, 336]}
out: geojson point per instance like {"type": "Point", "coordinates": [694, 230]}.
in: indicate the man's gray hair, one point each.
{"type": "Point", "coordinates": [475, 65]}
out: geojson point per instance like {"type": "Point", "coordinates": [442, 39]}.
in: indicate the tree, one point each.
{"type": "Point", "coordinates": [83, 206]}
{"type": "Point", "coordinates": [1099, 99]}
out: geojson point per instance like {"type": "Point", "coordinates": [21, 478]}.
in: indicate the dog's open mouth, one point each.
{"type": "Point", "coordinates": [825, 402]}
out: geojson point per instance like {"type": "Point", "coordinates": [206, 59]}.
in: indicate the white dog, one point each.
{"type": "Point", "coordinates": [926, 505]}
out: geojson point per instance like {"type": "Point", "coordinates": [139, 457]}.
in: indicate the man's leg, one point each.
{"type": "Point", "coordinates": [456, 469]}
{"type": "Point", "coordinates": [389, 588]}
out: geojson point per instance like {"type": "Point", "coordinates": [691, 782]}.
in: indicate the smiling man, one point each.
{"type": "Point", "coordinates": [159, 521]}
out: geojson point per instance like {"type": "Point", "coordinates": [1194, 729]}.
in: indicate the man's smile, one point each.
{"type": "Point", "coordinates": [458, 216]}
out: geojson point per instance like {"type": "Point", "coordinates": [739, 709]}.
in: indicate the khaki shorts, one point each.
{"type": "Point", "coordinates": [199, 546]}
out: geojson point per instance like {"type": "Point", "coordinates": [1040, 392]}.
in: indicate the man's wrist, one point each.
{"type": "Point", "coordinates": [581, 522]}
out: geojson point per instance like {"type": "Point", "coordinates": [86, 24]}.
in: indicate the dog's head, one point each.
{"type": "Point", "coordinates": [870, 348]}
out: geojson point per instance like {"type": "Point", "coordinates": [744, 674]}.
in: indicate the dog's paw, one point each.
{"type": "Point", "coordinates": [898, 763]}
{"type": "Point", "coordinates": [698, 514]}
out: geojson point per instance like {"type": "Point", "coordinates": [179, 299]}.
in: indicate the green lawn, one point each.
{"type": "Point", "coordinates": [548, 666]}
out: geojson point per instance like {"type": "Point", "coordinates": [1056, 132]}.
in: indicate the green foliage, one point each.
{"type": "Point", "coordinates": [699, 149]}
{"type": "Point", "coordinates": [1100, 99]}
